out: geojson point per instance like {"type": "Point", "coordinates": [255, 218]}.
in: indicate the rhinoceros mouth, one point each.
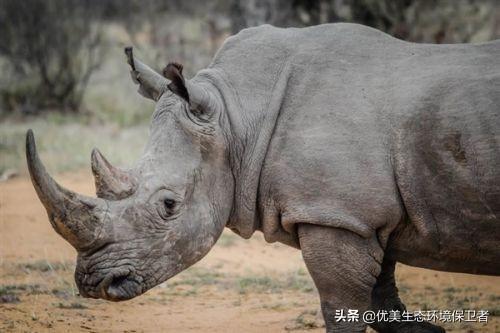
{"type": "Point", "coordinates": [119, 287]}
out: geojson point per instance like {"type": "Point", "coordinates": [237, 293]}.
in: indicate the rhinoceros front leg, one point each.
{"type": "Point", "coordinates": [344, 267]}
{"type": "Point", "coordinates": [385, 297]}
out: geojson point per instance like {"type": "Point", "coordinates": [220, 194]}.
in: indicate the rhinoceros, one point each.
{"type": "Point", "coordinates": [357, 148]}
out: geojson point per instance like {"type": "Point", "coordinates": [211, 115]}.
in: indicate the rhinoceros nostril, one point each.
{"type": "Point", "coordinates": [120, 287]}
{"type": "Point", "coordinates": [117, 281]}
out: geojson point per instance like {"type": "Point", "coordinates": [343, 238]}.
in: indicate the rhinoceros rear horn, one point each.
{"type": "Point", "coordinates": [111, 183]}
{"type": "Point", "coordinates": [75, 217]}
{"type": "Point", "coordinates": [151, 84]}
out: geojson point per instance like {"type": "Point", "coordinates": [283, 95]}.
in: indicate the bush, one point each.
{"type": "Point", "coordinates": [49, 49]}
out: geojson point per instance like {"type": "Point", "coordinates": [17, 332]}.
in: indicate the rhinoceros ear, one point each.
{"type": "Point", "coordinates": [201, 102]}
{"type": "Point", "coordinates": [197, 96]}
{"type": "Point", "coordinates": [151, 84]}
{"type": "Point", "coordinates": [173, 72]}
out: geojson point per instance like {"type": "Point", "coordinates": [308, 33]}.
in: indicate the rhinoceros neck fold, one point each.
{"type": "Point", "coordinates": [252, 92]}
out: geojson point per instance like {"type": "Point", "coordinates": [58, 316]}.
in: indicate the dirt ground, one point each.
{"type": "Point", "coordinates": [241, 286]}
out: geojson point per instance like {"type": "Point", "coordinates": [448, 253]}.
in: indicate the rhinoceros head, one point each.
{"type": "Point", "coordinates": [152, 221]}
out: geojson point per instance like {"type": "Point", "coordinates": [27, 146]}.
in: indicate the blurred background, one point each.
{"type": "Point", "coordinates": [63, 72]}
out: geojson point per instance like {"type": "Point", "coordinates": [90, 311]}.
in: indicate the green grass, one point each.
{"type": "Point", "coordinates": [494, 298]}
{"type": "Point", "coordinates": [67, 145]}
{"type": "Point", "coordinates": [30, 289]}
{"type": "Point", "coordinates": [198, 277]}
{"type": "Point", "coordinates": [300, 280]}
{"type": "Point", "coordinates": [45, 266]}
{"type": "Point", "coordinates": [494, 310]}
{"type": "Point", "coordinates": [293, 281]}
{"type": "Point", "coordinates": [451, 290]}
{"type": "Point", "coordinates": [190, 281]}
{"type": "Point", "coordinates": [64, 289]}
{"type": "Point", "coordinates": [73, 305]}
{"type": "Point", "coordinates": [258, 284]}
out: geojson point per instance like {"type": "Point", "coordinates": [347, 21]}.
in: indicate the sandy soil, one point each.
{"type": "Point", "coordinates": [241, 286]}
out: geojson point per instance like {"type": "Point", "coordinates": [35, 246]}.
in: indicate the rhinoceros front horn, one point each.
{"type": "Point", "coordinates": [111, 183]}
{"type": "Point", "coordinates": [75, 217]}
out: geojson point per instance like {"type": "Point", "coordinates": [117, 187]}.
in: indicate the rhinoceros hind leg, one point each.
{"type": "Point", "coordinates": [385, 297]}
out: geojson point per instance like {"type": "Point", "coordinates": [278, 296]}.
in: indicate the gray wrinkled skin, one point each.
{"type": "Point", "coordinates": [357, 148]}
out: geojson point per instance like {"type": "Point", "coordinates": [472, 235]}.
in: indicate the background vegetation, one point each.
{"type": "Point", "coordinates": [64, 73]}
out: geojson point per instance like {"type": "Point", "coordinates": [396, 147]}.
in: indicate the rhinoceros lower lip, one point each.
{"type": "Point", "coordinates": [119, 287]}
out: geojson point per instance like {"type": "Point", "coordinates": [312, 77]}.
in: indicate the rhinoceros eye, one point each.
{"type": "Point", "coordinates": [169, 204]}
{"type": "Point", "coordinates": [166, 203]}
{"type": "Point", "coordinates": [167, 208]}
